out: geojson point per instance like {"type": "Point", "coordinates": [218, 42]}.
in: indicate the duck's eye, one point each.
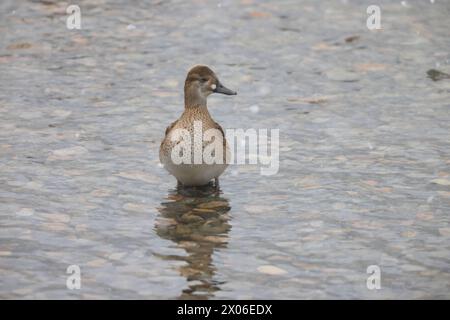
{"type": "Point", "coordinates": [204, 79]}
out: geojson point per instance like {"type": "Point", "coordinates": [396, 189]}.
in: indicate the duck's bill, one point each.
{"type": "Point", "coordinates": [220, 88]}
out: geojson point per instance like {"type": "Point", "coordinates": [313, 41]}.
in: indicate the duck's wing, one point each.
{"type": "Point", "coordinates": [218, 127]}
{"type": "Point", "coordinates": [164, 145]}
{"type": "Point", "coordinates": [226, 149]}
{"type": "Point", "coordinates": [170, 127]}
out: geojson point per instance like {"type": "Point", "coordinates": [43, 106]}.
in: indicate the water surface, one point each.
{"type": "Point", "coordinates": [364, 150]}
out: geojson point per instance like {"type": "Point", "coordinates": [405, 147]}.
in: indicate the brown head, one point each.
{"type": "Point", "coordinates": [200, 82]}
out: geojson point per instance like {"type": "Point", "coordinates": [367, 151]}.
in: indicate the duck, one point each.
{"type": "Point", "coordinates": [200, 82]}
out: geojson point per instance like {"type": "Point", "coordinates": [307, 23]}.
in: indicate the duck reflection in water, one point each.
{"type": "Point", "coordinates": [197, 220]}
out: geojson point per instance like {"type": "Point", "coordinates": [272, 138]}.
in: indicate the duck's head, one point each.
{"type": "Point", "coordinates": [200, 82]}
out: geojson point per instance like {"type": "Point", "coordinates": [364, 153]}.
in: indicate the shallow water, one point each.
{"type": "Point", "coordinates": [364, 150]}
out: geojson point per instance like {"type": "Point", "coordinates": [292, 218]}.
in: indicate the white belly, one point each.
{"type": "Point", "coordinates": [195, 174]}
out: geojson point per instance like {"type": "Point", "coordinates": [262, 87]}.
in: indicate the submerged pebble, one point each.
{"type": "Point", "coordinates": [271, 270]}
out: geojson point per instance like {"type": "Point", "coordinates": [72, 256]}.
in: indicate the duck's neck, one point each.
{"type": "Point", "coordinates": [193, 98]}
